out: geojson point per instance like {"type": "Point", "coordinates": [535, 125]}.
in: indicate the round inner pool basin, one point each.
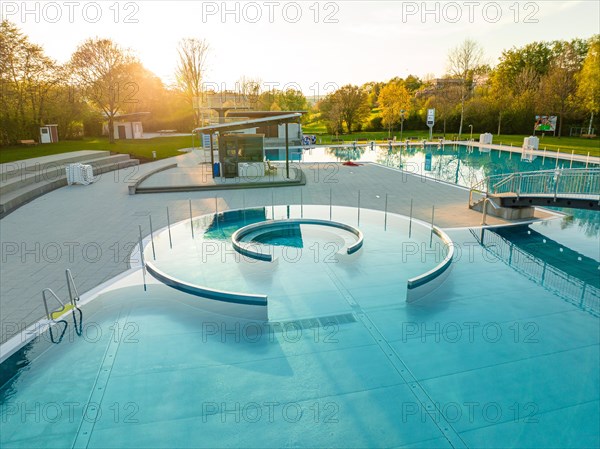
{"type": "Point", "coordinates": [259, 240]}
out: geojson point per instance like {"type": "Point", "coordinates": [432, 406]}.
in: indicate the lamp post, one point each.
{"type": "Point", "coordinates": [471, 126]}
{"type": "Point", "coordinates": [401, 123]}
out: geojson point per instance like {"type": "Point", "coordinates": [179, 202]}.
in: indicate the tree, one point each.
{"type": "Point", "coordinates": [292, 100]}
{"type": "Point", "coordinates": [331, 113]}
{"type": "Point", "coordinates": [558, 87]}
{"type": "Point", "coordinates": [102, 68]}
{"type": "Point", "coordinates": [412, 83]}
{"type": "Point", "coordinates": [190, 70]}
{"type": "Point", "coordinates": [277, 100]}
{"type": "Point", "coordinates": [588, 88]}
{"type": "Point", "coordinates": [353, 105]}
{"type": "Point", "coordinates": [27, 77]}
{"type": "Point", "coordinates": [463, 62]}
{"type": "Point", "coordinates": [394, 101]}
{"type": "Point", "coordinates": [533, 59]}
{"type": "Point", "coordinates": [250, 90]}
{"type": "Point", "coordinates": [444, 100]}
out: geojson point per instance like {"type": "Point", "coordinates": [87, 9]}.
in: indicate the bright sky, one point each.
{"type": "Point", "coordinates": [306, 42]}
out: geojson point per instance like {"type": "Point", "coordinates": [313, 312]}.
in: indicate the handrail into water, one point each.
{"type": "Point", "coordinates": [485, 203]}
{"type": "Point", "coordinates": [71, 283]}
{"type": "Point", "coordinates": [73, 299]}
{"type": "Point", "coordinates": [557, 182]}
{"type": "Point", "coordinates": [572, 289]}
{"type": "Point", "coordinates": [48, 313]}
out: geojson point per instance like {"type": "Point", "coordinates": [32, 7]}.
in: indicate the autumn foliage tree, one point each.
{"type": "Point", "coordinates": [394, 101]}
{"type": "Point", "coordinates": [104, 70]}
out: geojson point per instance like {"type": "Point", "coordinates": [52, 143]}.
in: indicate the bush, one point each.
{"type": "Point", "coordinates": [375, 124]}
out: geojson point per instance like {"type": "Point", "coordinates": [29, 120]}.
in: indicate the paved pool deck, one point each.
{"type": "Point", "coordinates": [92, 229]}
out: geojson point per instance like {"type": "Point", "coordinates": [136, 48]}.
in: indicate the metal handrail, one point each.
{"type": "Point", "coordinates": [71, 282]}
{"type": "Point", "coordinates": [48, 313]}
{"type": "Point", "coordinates": [72, 299]}
{"type": "Point", "coordinates": [579, 293]}
{"type": "Point", "coordinates": [566, 181]}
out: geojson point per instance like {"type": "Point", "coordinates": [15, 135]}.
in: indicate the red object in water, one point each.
{"type": "Point", "coordinates": [351, 164]}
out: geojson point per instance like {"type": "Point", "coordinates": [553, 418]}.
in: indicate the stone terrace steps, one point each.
{"type": "Point", "coordinates": [30, 180]}
{"type": "Point", "coordinates": [52, 173]}
{"type": "Point", "coordinates": [20, 168]}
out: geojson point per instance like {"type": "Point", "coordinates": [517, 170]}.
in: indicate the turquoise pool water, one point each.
{"type": "Point", "coordinates": [504, 354]}
{"type": "Point", "coordinates": [451, 163]}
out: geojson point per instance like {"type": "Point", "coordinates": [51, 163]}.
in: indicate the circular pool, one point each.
{"type": "Point", "coordinates": [257, 240]}
{"type": "Point", "coordinates": [267, 255]}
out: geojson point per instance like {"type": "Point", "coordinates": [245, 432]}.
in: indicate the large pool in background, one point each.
{"type": "Point", "coordinates": [453, 163]}
{"type": "Point", "coordinates": [505, 354]}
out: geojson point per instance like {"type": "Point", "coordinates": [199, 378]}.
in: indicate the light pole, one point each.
{"type": "Point", "coordinates": [401, 123]}
{"type": "Point", "coordinates": [471, 126]}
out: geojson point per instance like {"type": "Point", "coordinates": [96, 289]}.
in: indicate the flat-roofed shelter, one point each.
{"type": "Point", "coordinates": [276, 119]}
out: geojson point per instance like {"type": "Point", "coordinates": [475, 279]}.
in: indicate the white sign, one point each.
{"type": "Point", "coordinates": [430, 117]}
{"type": "Point", "coordinates": [206, 141]}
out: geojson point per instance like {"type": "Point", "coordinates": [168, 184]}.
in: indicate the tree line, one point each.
{"type": "Point", "coordinates": [102, 80]}
{"type": "Point", "coordinates": [560, 78]}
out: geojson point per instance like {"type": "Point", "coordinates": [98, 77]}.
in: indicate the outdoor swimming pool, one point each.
{"type": "Point", "coordinates": [344, 361]}
{"type": "Point", "coordinates": [453, 163]}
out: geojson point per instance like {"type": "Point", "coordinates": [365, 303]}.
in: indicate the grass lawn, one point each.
{"type": "Point", "coordinates": [138, 149]}
{"type": "Point", "coordinates": [169, 146]}
{"type": "Point", "coordinates": [565, 144]}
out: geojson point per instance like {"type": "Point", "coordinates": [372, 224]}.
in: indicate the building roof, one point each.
{"type": "Point", "coordinates": [259, 114]}
{"type": "Point", "coordinates": [251, 123]}
{"type": "Point", "coordinates": [130, 115]}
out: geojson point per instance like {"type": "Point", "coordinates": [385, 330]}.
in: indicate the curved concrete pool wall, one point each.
{"type": "Point", "coordinates": [248, 306]}
{"type": "Point", "coordinates": [254, 306]}
{"type": "Point", "coordinates": [246, 251]}
{"type": "Point", "coordinates": [422, 285]}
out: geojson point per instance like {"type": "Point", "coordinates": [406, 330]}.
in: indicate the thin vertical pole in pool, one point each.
{"type": "Point", "coordinates": [272, 205]}
{"type": "Point", "coordinates": [557, 153]}
{"type": "Point", "coordinates": [431, 233]}
{"type": "Point", "coordinates": [359, 208]}
{"type": "Point", "coordinates": [191, 220]}
{"type": "Point", "coordinates": [400, 165]}
{"type": "Point", "coordinates": [217, 211]}
{"type": "Point", "coordinates": [544, 156]}
{"type": "Point", "coordinates": [152, 238]}
{"type": "Point", "coordinates": [410, 219]}
{"type": "Point", "coordinates": [244, 205]}
{"type": "Point", "coordinates": [587, 160]}
{"type": "Point", "coordinates": [301, 204]}
{"type": "Point", "coordinates": [142, 257]}
{"type": "Point", "coordinates": [572, 154]}
{"type": "Point", "coordinates": [169, 227]}
{"type": "Point", "coordinates": [385, 214]}
{"type": "Point", "coordinates": [330, 204]}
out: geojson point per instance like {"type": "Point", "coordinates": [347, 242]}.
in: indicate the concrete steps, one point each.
{"type": "Point", "coordinates": [52, 173]}
{"type": "Point", "coordinates": [25, 180]}
{"type": "Point", "coordinates": [15, 169]}
{"type": "Point", "coordinates": [507, 213]}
